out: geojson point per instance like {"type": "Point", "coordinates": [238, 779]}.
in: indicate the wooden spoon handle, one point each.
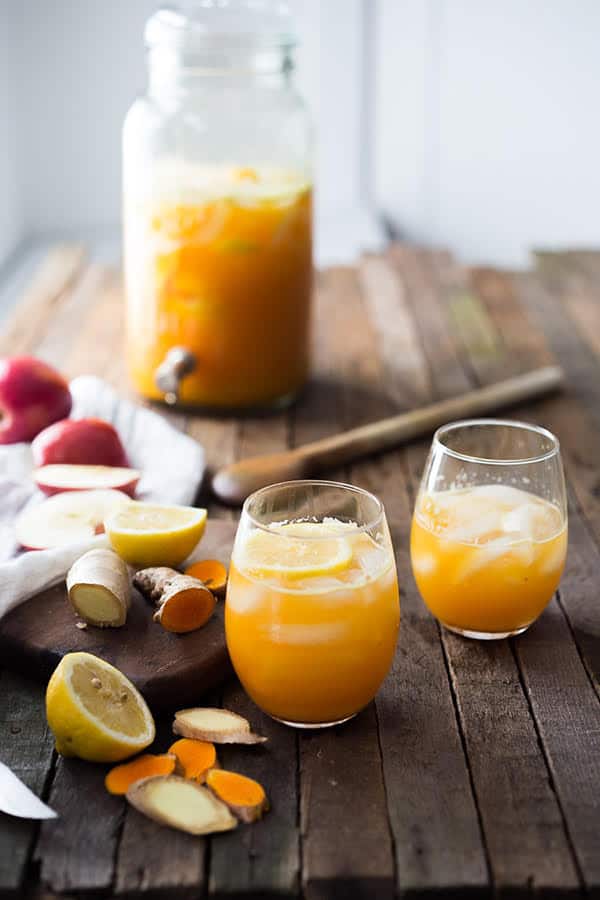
{"type": "Point", "coordinates": [377, 436]}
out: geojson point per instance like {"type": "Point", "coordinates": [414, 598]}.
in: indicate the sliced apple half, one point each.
{"type": "Point", "coordinates": [67, 518]}
{"type": "Point", "coordinates": [56, 478]}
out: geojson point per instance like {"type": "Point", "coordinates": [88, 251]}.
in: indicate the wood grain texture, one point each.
{"type": "Point", "coordinates": [549, 661]}
{"type": "Point", "coordinates": [430, 802]}
{"type": "Point", "coordinates": [167, 668]}
{"type": "Point", "coordinates": [51, 283]}
{"type": "Point", "coordinates": [76, 851]}
{"type": "Point", "coordinates": [389, 803]}
{"type": "Point", "coordinates": [526, 841]}
{"type": "Point", "coordinates": [26, 746]}
{"type": "Point", "coordinates": [261, 860]}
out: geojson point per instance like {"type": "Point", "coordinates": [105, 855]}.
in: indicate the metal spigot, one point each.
{"type": "Point", "coordinates": [178, 363]}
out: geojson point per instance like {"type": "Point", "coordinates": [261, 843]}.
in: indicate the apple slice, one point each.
{"type": "Point", "coordinates": [68, 518]}
{"type": "Point", "coordinates": [56, 478]}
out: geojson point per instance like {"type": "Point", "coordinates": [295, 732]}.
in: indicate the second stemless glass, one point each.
{"type": "Point", "coordinates": [312, 609]}
{"type": "Point", "coordinates": [489, 533]}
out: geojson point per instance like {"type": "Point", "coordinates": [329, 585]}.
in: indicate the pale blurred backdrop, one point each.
{"type": "Point", "coordinates": [466, 123]}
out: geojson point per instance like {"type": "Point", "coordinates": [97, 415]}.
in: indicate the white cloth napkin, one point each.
{"type": "Point", "coordinates": [172, 466]}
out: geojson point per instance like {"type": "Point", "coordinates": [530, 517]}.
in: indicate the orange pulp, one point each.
{"type": "Point", "coordinates": [314, 648]}
{"type": "Point", "coordinates": [223, 269]}
{"type": "Point", "coordinates": [487, 559]}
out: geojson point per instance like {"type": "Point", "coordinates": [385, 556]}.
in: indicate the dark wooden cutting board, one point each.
{"type": "Point", "coordinates": [170, 670]}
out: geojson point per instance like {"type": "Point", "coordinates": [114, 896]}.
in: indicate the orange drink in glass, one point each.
{"type": "Point", "coordinates": [489, 533]}
{"type": "Point", "coordinates": [312, 609]}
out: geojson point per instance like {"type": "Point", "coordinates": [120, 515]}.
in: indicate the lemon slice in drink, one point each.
{"type": "Point", "coordinates": [294, 551]}
{"type": "Point", "coordinates": [145, 534]}
{"type": "Point", "coordinates": [95, 712]}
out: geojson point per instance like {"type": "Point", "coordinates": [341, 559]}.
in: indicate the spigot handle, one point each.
{"type": "Point", "coordinates": [178, 363]}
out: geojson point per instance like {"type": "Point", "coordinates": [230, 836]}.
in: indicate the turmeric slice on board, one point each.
{"type": "Point", "coordinates": [212, 573]}
{"type": "Point", "coordinates": [182, 603]}
{"type": "Point", "coordinates": [194, 758]}
{"type": "Point", "coordinates": [120, 778]}
{"type": "Point", "coordinates": [245, 797]}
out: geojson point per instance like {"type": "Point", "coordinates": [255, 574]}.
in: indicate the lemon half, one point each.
{"type": "Point", "coordinates": [95, 712]}
{"type": "Point", "coordinates": [146, 534]}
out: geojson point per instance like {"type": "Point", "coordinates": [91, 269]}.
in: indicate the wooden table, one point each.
{"type": "Point", "coordinates": [477, 769]}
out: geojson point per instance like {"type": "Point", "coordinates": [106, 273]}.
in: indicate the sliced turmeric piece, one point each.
{"type": "Point", "coordinates": [221, 726]}
{"type": "Point", "coordinates": [245, 797]}
{"type": "Point", "coordinates": [120, 778]}
{"type": "Point", "coordinates": [182, 603]}
{"type": "Point", "coordinates": [182, 804]}
{"type": "Point", "coordinates": [194, 758]}
{"type": "Point", "coordinates": [212, 573]}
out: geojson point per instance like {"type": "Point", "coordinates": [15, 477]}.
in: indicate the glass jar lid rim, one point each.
{"type": "Point", "coordinates": [204, 23]}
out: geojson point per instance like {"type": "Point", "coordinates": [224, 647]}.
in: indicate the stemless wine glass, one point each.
{"type": "Point", "coordinates": [489, 532]}
{"type": "Point", "coordinates": [312, 609]}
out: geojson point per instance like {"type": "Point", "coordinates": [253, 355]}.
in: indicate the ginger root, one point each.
{"type": "Point", "coordinates": [121, 778]}
{"type": "Point", "coordinates": [212, 573]}
{"type": "Point", "coordinates": [194, 758]}
{"type": "Point", "coordinates": [182, 603]}
{"type": "Point", "coordinates": [98, 588]}
{"type": "Point", "coordinates": [178, 803]}
{"type": "Point", "coordinates": [220, 726]}
{"type": "Point", "coordinates": [245, 797]}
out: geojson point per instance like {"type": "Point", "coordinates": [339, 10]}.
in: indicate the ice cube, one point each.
{"type": "Point", "coordinates": [424, 563]}
{"type": "Point", "coordinates": [481, 556]}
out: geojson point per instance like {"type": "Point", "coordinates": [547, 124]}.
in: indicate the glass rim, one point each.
{"type": "Point", "coordinates": [491, 461]}
{"type": "Point", "coordinates": [348, 488]}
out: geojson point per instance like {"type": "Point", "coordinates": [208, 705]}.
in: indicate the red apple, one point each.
{"type": "Point", "coordinates": [56, 478]}
{"type": "Point", "coordinates": [86, 442]}
{"type": "Point", "coordinates": [32, 396]}
{"type": "Point", "coordinates": [67, 518]}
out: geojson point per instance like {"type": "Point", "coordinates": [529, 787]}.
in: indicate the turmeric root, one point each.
{"type": "Point", "coordinates": [217, 725]}
{"type": "Point", "coordinates": [194, 758]}
{"type": "Point", "coordinates": [98, 588]}
{"type": "Point", "coordinates": [245, 797]}
{"type": "Point", "coordinates": [121, 778]}
{"type": "Point", "coordinates": [178, 803]}
{"type": "Point", "coordinates": [182, 603]}
{"type": "Point", "coordinates": [212, 573]}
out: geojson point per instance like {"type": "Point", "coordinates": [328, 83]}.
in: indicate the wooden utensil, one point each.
{"type": "Point", "coordinates": [233, 483]}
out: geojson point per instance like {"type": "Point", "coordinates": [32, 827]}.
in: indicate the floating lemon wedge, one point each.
{"type": "Point", "coordinates": [296, 550]}
{"type": "Point", "coordinates": [95, 712]}
{"type": "Point", "coordinates": [145, 534]}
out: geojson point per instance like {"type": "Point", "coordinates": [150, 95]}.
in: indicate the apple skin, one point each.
{"type": "Point", "coordinates": [87, 442]}
{"type": "Point", "coordinates": [32, 396]}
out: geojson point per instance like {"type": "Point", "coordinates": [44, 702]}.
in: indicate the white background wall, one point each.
{"type": "Point", "coordinates": [470, 123]}
{"type": "Point", "coordinates": [488, 123]}
{"type": "Point", "coordinates": [12, 213]}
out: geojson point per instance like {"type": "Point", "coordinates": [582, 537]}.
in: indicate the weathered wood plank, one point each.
{"type": "Point", "coordinates": [343, 804]}
{"type": "Point", "coordinates": [566, 417]}
{"type": "Point", "coordinates": [430, 802]}
{"type": "Point", "coordinates": [262, 859]}
{"type": "Point", "coordinates": [155, 861]}
{"type": "Point", "coordinates": [27, 748]}
{"type": "Point", "coordinates": [77, 851]}
{"type": "Point", "coordinates": [58, 272]}
{"type": "Point", "coordinates": [526, 841]}
{"type": "Point", "coordinates": [549, 663]}
{"type": "Point", "coordinates": [567, 712]}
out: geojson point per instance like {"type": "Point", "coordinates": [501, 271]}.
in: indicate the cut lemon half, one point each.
{"type": "Point", "coordinates": [145, 534]}
{"type": "Point", "coordinates": [294, 551]}
{"type": "Point", "coordinates": [95, 712]}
